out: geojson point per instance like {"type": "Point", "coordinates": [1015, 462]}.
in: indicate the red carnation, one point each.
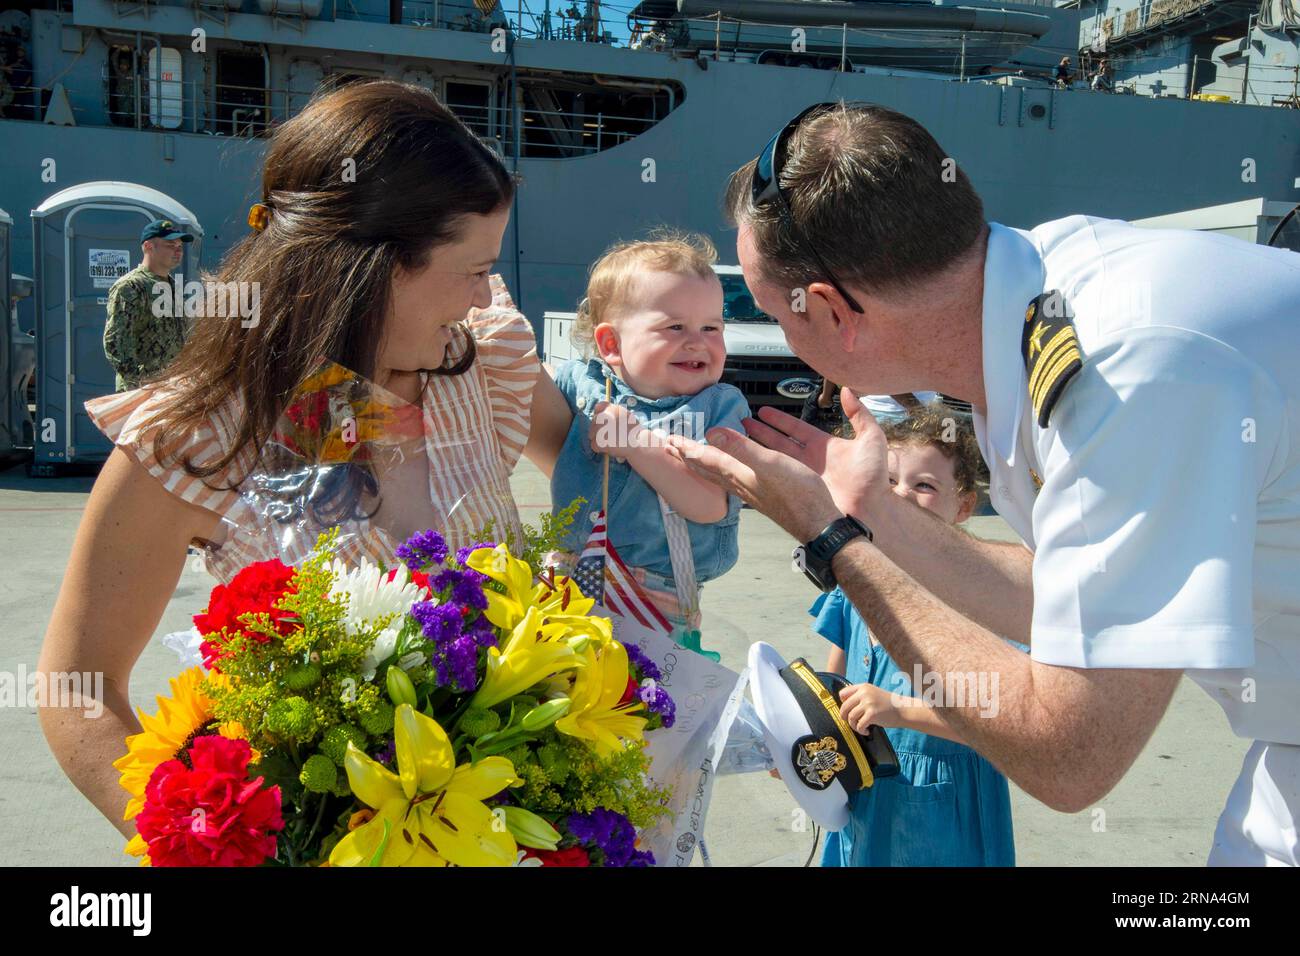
{"type": "Point", "coordinates": [212, 814]}
{"type": "Point", "coordinates": [255, 590]}
{"type": "Point", "coordinates": [629, 692]}
{"type": "Point", "coordinates": [418, 578]}
{"type": "Point", "coordinates": [569, 856]}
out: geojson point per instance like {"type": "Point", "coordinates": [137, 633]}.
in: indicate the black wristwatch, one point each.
{"type": "Point", "coordinates": [815, 556]}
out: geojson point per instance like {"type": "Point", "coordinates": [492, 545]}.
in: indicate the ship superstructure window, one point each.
{"type": "Point", "coordinates": [568, 119]}
{"type": "Point", "coordinates": [472, 101]}
{"type": "Point", "coordinates": [240, 106]}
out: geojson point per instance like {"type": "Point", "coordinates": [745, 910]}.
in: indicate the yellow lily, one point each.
{"type": "Point", "coordinates": [504, 610]}
{"type": "Point", "coordinates": [561, 602]}
{"type": "Point", "coordinates": [557, 597]}
{"type": "Point", "coordinates": [533, 652]}
{"type": "Point", "coordinates": [595, 714]}
{"type": "Point", "coordinates": [431, 812]}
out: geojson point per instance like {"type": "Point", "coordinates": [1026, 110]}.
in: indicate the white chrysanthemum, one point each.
{"type": "Point", "coordinates": [370, 596]}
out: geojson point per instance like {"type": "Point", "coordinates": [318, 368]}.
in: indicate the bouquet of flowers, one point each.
{"type": "Point", "coordinates": [455, 710]}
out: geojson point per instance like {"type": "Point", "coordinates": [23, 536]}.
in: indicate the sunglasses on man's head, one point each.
{"type": "Point", "coordinates": [766, 186]}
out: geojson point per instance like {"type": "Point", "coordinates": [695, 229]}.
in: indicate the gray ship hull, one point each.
{"type": "Point", "coordinates": [1034, 153]}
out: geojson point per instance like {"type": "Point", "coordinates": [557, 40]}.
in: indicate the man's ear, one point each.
{"type": "Point", "coordinates": [968, 503]}
{"type": "Point", "coordinates": [605, 338]}
{"type": "Point", "coordinates": [843, 319]}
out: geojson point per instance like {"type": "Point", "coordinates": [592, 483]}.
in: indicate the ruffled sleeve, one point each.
{"type": "Point", "coordinates": [507, 352]}
{"type": "Point", "coordinates": [828, 614]}
{"type": "Point", "coordinates": [124, 418]}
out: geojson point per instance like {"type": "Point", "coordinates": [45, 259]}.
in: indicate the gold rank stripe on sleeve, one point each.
{"type": "Point", "coordinates": [1063, 348]}
{"type": "Point", "coordinates": [1050, 349]}
{"type": "Point", "coordinates": [1046, 386]}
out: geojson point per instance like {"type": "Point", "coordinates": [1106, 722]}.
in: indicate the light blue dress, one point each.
{"type": "Point", "coordinates": [947, 806]}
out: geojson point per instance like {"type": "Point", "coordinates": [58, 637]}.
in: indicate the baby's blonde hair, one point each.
{"type": "Point", "coordinates": [610, 276]}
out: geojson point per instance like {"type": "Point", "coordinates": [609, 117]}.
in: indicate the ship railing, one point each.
{"type": "Point", "coordinates": [1260, 84]}
{"type": "Point", "coordinates": [555, 133]}
{"type": "Point", "coordinates": [250, 111]}
{"type": "Point", "coordinates": [465, 16]}
{"type": "Point", "coordinates": [840, 46]}
{"type": "Point", "coordinates": [189, 106]}
{"type": "Point", "coordinates": [23, 102]}
{"type": "Point", "coordinates": [593, 132]}
{"type": "Point", "coordinates": [1152, 18]}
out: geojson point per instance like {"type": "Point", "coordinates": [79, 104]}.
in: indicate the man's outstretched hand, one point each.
{"type": "Point", "coordinates": [794, 473]}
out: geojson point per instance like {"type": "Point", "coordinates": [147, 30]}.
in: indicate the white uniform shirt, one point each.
{"type": "Point", "coordinates": [1167, 529]}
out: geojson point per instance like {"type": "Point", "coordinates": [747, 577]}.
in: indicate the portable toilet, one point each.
{"type": "Point", "coordinates": [84, 238]}
{"type": "Point", "coordinates": [22, 360]}
{"type": "Point", "coordinates": [8, 438]}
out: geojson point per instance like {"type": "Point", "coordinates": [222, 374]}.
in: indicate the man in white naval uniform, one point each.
{"type": "Point", "coordinates": [1137, 398]}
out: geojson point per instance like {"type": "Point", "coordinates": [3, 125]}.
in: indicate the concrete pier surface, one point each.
{"type": "Point", "coordinates": [1163, 812]}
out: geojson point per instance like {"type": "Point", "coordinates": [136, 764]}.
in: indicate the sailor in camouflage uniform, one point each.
{"type": "Point", "coordinates": [138, 343]}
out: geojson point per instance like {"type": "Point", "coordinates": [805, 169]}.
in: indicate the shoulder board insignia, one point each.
{"type": "Point", "coordinates": [1050, 349]}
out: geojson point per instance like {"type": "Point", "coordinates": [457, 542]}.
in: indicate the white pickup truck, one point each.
{"type": "Point", "coordinates": [759, 362]}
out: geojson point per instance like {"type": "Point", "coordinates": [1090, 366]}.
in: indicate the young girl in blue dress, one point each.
{"type": "Point", "coordinates": [947, 806]}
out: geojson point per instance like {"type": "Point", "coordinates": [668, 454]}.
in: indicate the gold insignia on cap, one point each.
{"type": "Point", "coordinates": [821, 759]}
{"type": "Point", "coordinates": [1051, 364]}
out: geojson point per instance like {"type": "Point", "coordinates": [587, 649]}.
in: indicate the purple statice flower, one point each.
{"type": "Point", "coordinates": [466, 587]}
{"type": "Point", "coordinates": [658, 701]}
{"type": "Point", "coordinates": [483, 632]}
{"type": "Point", "coordinates": [441, 623]}
{"type": "Point", "coordinates": [458, 665]}
{"type": "Point", "coordinates": [462, 554]}
{"type": "Point", "coordinates": [642, 664]}
{"type": "Point", "coordinates": [611, 833]}
{"type": "Point", "coordinates": [455, 646]}
{"type": "Point", "coordinates": [469, 590]}
{"type": "Point", "coordinates": [422, 549]}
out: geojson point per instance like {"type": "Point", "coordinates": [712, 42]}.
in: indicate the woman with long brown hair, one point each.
{"type": "Point", "coordinates": [381, 215]}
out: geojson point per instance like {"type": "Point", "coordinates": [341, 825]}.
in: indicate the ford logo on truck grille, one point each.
{"type": "Point", "coordinates": [796, 387]}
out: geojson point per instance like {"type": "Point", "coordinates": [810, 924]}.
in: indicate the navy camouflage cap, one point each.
{"type": "Point", "coordinates": [164, 229]}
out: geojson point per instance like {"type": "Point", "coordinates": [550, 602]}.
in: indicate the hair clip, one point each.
{"type": "Point", "coordinates": [259, 214]}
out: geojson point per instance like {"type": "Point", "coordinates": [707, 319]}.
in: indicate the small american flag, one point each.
{"type": "Point", "coordinates": [602, 575]}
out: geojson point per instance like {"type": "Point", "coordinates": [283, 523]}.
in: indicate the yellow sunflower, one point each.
{"type": "Point", "coordinates": [166, 734]}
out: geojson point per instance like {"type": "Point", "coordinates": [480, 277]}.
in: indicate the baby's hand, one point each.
{"type": "Point", "coordinates": [865, 704]}
{"type": "Point", "coordinates": [614, 429]}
